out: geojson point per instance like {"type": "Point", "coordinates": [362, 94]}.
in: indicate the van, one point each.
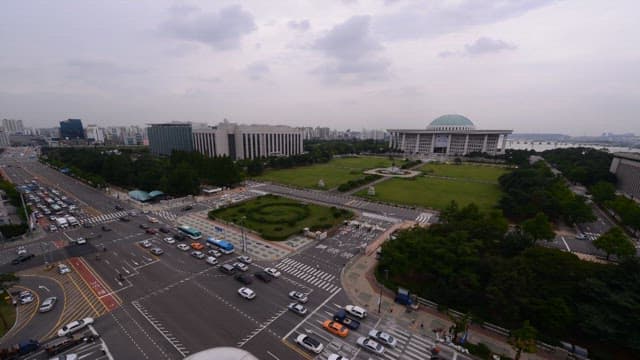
{"type": "Point", "coordinates": [228, 269]}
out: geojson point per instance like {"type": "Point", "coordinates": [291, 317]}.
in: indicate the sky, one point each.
{"type": "Point", "coordinates": [567, 66]}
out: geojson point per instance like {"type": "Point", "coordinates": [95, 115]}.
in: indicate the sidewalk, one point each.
{"type": "Point", "coordinates": [361, 287]}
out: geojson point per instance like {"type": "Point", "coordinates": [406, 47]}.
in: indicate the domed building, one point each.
{"type": "Point", "coordinates": [448, 135]}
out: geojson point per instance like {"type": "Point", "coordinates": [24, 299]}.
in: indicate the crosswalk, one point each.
{"type": "Point", "coordinates": [309, 274]}
{"type": "Point", "coordinates": [168, 215]}
{"type": "Point", "coordinates": [423, 218]}
{"type": "Point", "coordinates": [103, 218]}
{"type": "Point", "coordinates": [410, 346]}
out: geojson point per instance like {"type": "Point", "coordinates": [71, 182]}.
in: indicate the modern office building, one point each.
{"type": "Point", "coordinates": [247, 141]}
{"type": "Point", "coordinates": [71, 129]}
{"type": "Point", "coordinates": [166, 137]}
{"type": "Point", "coordinates": [4, 139]}
{"type": "Point", "coordinates": [626, 166]}
{"type": "Point", "coordinates": [12, 126]}
{"type": "Point", "coordinates": [448, 135]}
{"type": "Point", "coordinates": [95, 134]}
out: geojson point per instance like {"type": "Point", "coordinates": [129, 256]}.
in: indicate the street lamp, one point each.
{"type": "Point", "coordinates": [244, 239]}
{"type": "Point", "coordinates": [386, 273]}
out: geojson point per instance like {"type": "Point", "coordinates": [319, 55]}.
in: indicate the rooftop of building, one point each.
{"type": "Point", "coordinates": [628, 156]}
{"type": "Point", "coordinates": [451, 120]}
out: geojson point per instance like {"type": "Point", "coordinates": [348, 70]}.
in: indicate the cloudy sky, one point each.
{"type": "Point", "coordinates": [570, 66]}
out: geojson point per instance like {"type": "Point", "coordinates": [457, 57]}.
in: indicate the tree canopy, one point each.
{"type": "Point", "coordinates": [615, 242]}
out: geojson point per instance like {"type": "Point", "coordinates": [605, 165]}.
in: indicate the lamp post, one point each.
{"type": "Point", "coordinates": [386, 273]}
{"type": "Point", "coordinates": [244, 239]}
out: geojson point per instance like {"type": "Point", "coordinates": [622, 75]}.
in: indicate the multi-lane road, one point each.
{"type": "Point", "coordinates": [173, 305]}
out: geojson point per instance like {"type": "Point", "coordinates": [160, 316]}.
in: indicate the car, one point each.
{"type": "Point", "coordinates": [273, 272]}
{"type": "Point", "coordinates": [298, 308]}
{"type": "Point", "coordinates": [63, 269]}
{"type": "Point", "coordinates": [105, 228]}
{"type": "Point", "coordinates": [143, 226]}
{"type": "Point", "coordinates": [22, 250]}
{"type": "Point", "coordinates": [169, 240]}
{"type": "Point", "coordinates": [124, 219]}
{"type": "Point", "coordinates": [81, 241]}
{"type": "Point", "coordinates": [298, 296]}
{"type": "Point", "coordinates": [152, 219]}
{"type": "Point", "coordinates": [336, 357]}
{"type": "Point", "coordinates": [74, 326]}
{"type": "Point", "coordinates": [228, 269]}
{"type": "Point", "coordinates": [145, 244]}
{"type": "Point", "coordinates": [157, 251]}
{"type": "Point", "coordinates": [25, 297]}
{"type": "Point", "coordinates": [240, 266]}
{"type": "Point", "coordinates": [22, 258]}
{"type": "Point", "coordinates": [211, 260]}
{"type": "Point", "coordinates": [51, 218]}
{"type": "Point", "coordinates": [214, 252]}
{"type": "Point", "coordinates": [87, 225]}
{"type": "Point", "coordinates": [243, 279]}
{"type": "Point", "coordinates": [309, 343]}
{"type": "Point", "coordinates": [335, 328]}
{"type": "Point", "coordinates": [151, 231]}
{"type": "Point", "coordinates": [165, 230]}
{"type": "Point", "coordinates": [133, 213]}
{"type": "Point", "coordinates": [197, 246]}
{"type": "Point", "coordinates": [52, 228]}
{"type": "Point", "coordinates": [68, 356]}
{"type": "Point", "coordinates": [198, 254]}
{"type": "Point", "coordinates": [119, 208]}
{"type": "Point", "coordinates": [356, 311]}
{"type": "Point", "coordinates": [245, 259]}
{"type": "Point", "coordinates": [183, 247]}
{"type": "Point", "coordinates": [247, 293]}
{"type": "Point", "coordinates": [179, 237]}
{"type": "Point", "coordinates": [383, 337]}
{"type": "Point", "coordinates": [48, 304]}
{"type": "Point", "coordinates": [263, 276]}
{"type": "Point", "coordinates": [370, 345]}
{"type": "Point", "coordinates": [187, 208]}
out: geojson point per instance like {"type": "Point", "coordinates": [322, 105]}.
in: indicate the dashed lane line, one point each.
{"type": "Point", "coordinates": [124, 331]}
{"type": "Point", "coordinates": [259, 329]}
{"type": "Point", "coordinates": [156, 324]}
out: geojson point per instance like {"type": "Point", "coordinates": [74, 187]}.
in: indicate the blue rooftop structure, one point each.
{"type": "Point", "coordinates": [139, 195]}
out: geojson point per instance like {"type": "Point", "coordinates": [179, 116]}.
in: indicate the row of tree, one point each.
{"type": "Point", "coordinates": [12, 194]}
{"type": "Point", "coordinates": [586, 166]}
{"type": "Point", "coordinates": [472, 263]}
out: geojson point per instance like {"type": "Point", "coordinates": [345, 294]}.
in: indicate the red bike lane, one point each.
{"type": "Point", "coordinates": [97, 285]}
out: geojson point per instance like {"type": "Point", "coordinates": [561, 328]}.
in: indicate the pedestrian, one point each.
{"type": "Point", "coordinates": [422, 326]}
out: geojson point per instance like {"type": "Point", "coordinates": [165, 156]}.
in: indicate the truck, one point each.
{"type": "Point", "coordinates": [403, 297]}
{"type": "Point", "coordinates": [18, 350]}
{"type": "Point", "coordinates": [341, 317]}
{"type": "Point", "coordinates": [62, 222]}
{"type": "Point", "coordinates": [72, 221]}
{"type": "Point", "coordinates": [63, 344]}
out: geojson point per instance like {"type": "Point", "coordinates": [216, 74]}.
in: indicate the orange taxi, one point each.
{"type": "Point", "coordinates": [336, 328]}
{"type": "Point", "coordinates": [197, 246]}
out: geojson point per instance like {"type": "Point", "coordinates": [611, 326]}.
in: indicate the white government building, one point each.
{"type": "Point", "coordinates": [247, 141]}
{"type": "Point", "coordinates": [448, 135]}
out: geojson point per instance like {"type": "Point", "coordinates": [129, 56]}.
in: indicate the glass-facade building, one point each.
{"type": "Point", "coordinates": [71, 129]}
{"type": "Point", "coordinates": [165, 138]}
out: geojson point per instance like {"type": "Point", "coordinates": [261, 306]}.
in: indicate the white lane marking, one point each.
{"type": "Point", "coordinates": [312, 313]}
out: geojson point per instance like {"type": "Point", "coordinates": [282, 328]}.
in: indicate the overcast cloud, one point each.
{"type": "Point", "coordinates": [529, 65]}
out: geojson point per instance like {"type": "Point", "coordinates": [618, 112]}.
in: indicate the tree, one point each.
{"type": "Point", "coordinates": [6, 281]}
{"type": "Point", "coordinates": [539, 228]}
{"type": "Point", "coordinates": [603, 191]}
{"type": "Point", "coordinates": [460, 325]}
{"type": "Point", "coordinates": [616, 242]}
{"type": "Point", "coordinates": [523, 339]}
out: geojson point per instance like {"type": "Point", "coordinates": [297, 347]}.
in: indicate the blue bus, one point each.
{"type": "Point", "coordinates": [192, 233]}
{"type": "Point", "coordinates": [224, 246]}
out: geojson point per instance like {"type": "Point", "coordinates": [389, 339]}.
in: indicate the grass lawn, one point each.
{"type": "Point", "coordinates": [333, 173]}
{"type": "Point", "coordinates": [435, 193]}
{"type": "Point", "coordinates": [9, 313]}
{"type": "Point", "coordinates": [277, 218]}
{"type": "Point", "coordinates": [466, 171]}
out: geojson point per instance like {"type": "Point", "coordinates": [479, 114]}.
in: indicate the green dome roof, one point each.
{"type": "Point", "coordinates": [451, 120]}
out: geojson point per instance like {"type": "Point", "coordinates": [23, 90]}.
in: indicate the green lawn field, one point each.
{"type": "Point", "coordinates": [466, 171]}
{"type": "Point", "coordinates": [436, 193]}
{"type": "Point", "coordinates": [277, 218]}
{"type": "Point", "coordinates": [8, 312]}
{"type": "Point", "coordinates": [333, 173]}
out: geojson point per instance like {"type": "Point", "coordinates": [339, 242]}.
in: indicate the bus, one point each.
{"type": "Point", "coordinates": [224, 246]}
{"type": "Point", "coordinates": [192, 233]}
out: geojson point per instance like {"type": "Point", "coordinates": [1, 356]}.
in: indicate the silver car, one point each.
{"type": "Point", "coordinates": [383, 337]}
{"type": "Point", "coordinates": [48, 304]}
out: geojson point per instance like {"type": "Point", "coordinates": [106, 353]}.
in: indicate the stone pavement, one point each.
{"type": "Point", "coordinates": [360, 285]}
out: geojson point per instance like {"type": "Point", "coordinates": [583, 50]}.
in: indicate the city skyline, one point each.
{"type": "Point", "coordinates": [531, 66]}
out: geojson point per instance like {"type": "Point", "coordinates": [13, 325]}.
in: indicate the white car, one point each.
{"type": "Point", "coordinates": [157, 251]}
{"type": "Point", "coordinates": [146, 244]}
{"type": "Point", "coordinates": [74, 326]}
{"type": "Point", "coordinates": [47, 304]}
{"type": "Point", "coordinates": [273, 272]}
{"type": "Point", "coordinates": [336, 357]}
{"type": "Point", "coordinates": [169, 240]}
{"type": "Point", "coordinates": [183, 247]}
{"type": "Point", "coordinates": [214, 252]}
{"type": "Point", "coordinates": [298, 309]}
{"type": "Point", "coordinates": [383, 337]}
{"type": "Point", "coordinates": [63, 269]}
{"type": "Point", "coordinates": [198, 254]}
{"type": "Point", "coordinates": [245, 259]}
{"type": "Point", "coordinates": [370, 345]}
{"type": "Point", "coordinates": [81, 241]}
{"type": "Point", "coordinates": [240, 266]}
{"type": "Point", "coordinates": [211, 260]}
{"type": "Point", "coordinates": [247, 293]}
{"type": "Point", "coordinates": [356, 311]}
{"type": "Point", "coordinates": [309, 343]}
{"type": "Point", "coordinates": [26, 297]}
{"type": "Point", "coordinates": [153, 220]}
{"type": "Point", "coordinates": [69, 356]}
{"type": "Point", "coordinates": [22, 251]}
{"type": "Point", "coordinates": [298, 296]}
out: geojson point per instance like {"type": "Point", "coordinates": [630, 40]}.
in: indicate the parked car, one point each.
{"type": "Point", "coordinates": [74, 326]}
{"type": "Point", "coordinates": [197, 246]}
{"type": "Point", "coordinates": [211, 260]}
{"type": "Point", "coordinates": [48, 304]}
{"type": "Point", "coordinates": [198, 254]}
{"type": "Point", "coordinates": [370, 345]}
{"type": "Point", "coordinates": [247, 293]}
{"type": "Point", "coordinates": [157, 251]}
{"type": "Point", "coordinates": [146, 244]}
{"type": "Point", "coordinates": [169, 240]}
{"type": "Point", "coordinates": [183, 247]}
{"type": "Point", "coordinates": [309, 343]}
{"type": "Point", "coordinates": [245, 259]}
{"type": "Point", "coordinates": [298, 296]}
{"type": "Point", "coordinates": [214, 252]}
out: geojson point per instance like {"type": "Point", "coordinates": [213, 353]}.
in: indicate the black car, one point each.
{"type": "Point", "coordinates": [119, 208]}
{"type": "Point", "coordinates": [263, 276]}
{"type": "Point", "coordinates": [187, 208]}
{"type": "Point", "coordinates": [179, 237]}
{"type": "Point", "coordinates": [22, 258]}
{"type": "Point", "coordinates": [124, 219]}
{"type": "Point", "coordinates": [87, 225]}
{"type": "Point", "coordinates": [165, 230]}
{"type": "Point", "coordinates": [105, 228]}
{"type": "Point", "coordinates": [243, 279]}
{"type": "Point", "coordinates": [144, 226]}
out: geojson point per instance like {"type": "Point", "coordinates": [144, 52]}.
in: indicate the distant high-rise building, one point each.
{"type": "Point", "coordinates": [247, 141]}
{"type": "Point", "coordinates": [4, 139]}
{"type": "Point", "coordinates": [164, 138]}
{"type": "Point", "coordinates": [95, 134]}
{"type": "Point", "coordinates": [12, 126]}
{"type": "Point", "coordinates": [71, 129]}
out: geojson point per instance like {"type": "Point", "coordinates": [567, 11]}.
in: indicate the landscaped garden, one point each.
{"type": "Point", "coordinates": [277, 218]}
